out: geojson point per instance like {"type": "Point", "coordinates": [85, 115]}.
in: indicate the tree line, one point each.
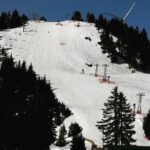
{"type": "Point", "coordinates": [12, 20]}
{"type": "Point", "coordinates": [29, 110]}
{"type": "Point", "coordinates": [132, 45]}
{"type": "Point", "coordinates": [77, 16]}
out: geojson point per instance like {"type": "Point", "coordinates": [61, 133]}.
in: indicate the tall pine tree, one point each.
{"type": "Point", "coordinates": [77, 16]}
{"type": "Point", "coordinates": [146, 125]}
{"type": "Point", "coordinates": [78, 142]}
{"type": "Point", "coordinates": [74, 129]}
{"type": "Point", "coordinates": [90, 17]}
{"type": "Point", "coordinates": [15, 19]}
{"type": "Point", "coordinates": [62, 139]}
{"type": "Point", "coordinates": [117, 123]}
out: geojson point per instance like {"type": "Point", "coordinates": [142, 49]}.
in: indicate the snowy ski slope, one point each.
{"type": "Point", "coordinates": [60, 53]}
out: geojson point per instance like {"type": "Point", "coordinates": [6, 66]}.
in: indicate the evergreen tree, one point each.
{"type": "Point", "coordinates": [8, 20]}
{"type": "Point", "coordinates": [101, 23]}
{"type": "Point", "coordinates": [28, 108]}
{"type": "Point", "coordinates": [15, 19]}
{"type": "Point", "coordinates": [127, 117]}
{"type": "Point", "coordinates": [122, 48]}
{"type": "Point", "coordinates": [117, 123]}
{"type": "Point", "coordinates": [77, 16]}
{"type": "Point", "coordinates": [146, 125]}
{"type": "Point", "coordinates": [90, 17]}
{"type": "Point", "coordinates": [132, 47]}
{"type": "Point", "coordinates": [43, 18]}
{"type": "Point", "coordinates": [108, 46]}
{"type": "Point", "coordinates": [24, 18]}
{"type": "Point", "coordinates": [78, 143]}
{"type": "Point", "coordinates": [4, 21]}
{"type": "Point", "coordinates": [144, 51]}
{"type": "Point", "coordinates": [74, 129]}
{"type": "Point", "coordinates": [61, 139]}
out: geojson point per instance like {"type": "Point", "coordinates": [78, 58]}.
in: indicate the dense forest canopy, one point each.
{"type": "Point", "coordinates": [29, 110]}
{"type": "Point", "coordinates": [132, 45]}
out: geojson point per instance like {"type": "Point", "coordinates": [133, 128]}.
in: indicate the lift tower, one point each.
{"type": "Point", "coordinates": [139, 110]}
{"type": "Point", "coordinates": [96, 69]}
{"type": "Point", "coordinates": [105, 72]}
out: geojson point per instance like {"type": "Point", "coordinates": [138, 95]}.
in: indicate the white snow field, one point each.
{"type": "Point", "coordinates": [61, 52]}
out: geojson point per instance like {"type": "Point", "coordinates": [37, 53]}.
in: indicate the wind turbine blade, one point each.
{"type": "Point", "coordinates": [129, 11]}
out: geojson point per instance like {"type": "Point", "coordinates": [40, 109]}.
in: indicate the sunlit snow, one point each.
{"type": "Point", "coordinates": [60, 53]}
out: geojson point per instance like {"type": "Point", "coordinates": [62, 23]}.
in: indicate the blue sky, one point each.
{"type": "Point", "coordinates": [55, 10]}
